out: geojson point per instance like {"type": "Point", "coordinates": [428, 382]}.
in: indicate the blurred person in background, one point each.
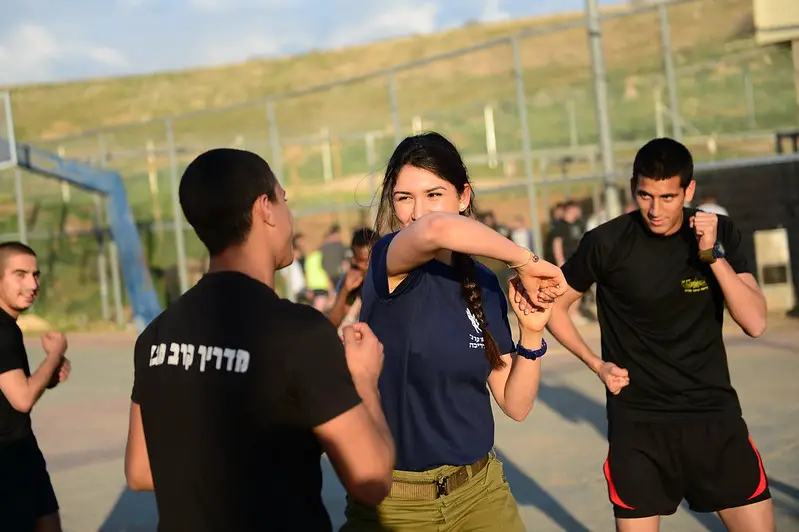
{"type": "Point", "coordinates": [27, 500]}
{"type": "Point", "coordinates": [709, 203]}
{"type": "Point", "coordinates": [334, 253]}
{"type": "Point", "coordinates": [520, 233]}
{"type": "Point", "coordinates": [347, 304]}
{"type": "Point", "coordinates": [237, 392]}
{"type": "Point", "coordinates": [294, 274]}
{"type": "Point", "coordinates": [442, 318]}
{"type": "Point", "coordinates": [664, 274]}
{"type": "Point", "coordinates": [318, 282]}
{"type": "Point", "coordinates": [566, 235]}
{"type": "Point", "coordinates": [555, 216]}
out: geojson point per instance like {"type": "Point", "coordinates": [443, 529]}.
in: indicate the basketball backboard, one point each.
{"type": "Point", "coordinates": [776, 21]}
{"type": "Point", "coordinates": [8, 152]}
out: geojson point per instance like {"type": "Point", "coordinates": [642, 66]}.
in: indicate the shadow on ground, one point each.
{"type": "Point", "coordinates": [133, 512]}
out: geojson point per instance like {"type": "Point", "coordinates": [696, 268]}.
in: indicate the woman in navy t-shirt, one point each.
{"type": "Point", "coordinates": [442, 319]}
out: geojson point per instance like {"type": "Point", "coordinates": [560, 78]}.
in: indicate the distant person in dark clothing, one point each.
{"type": "Point", "coordinates": [566, 233]}
{"type": "Point", "coordinates": [334, 253]}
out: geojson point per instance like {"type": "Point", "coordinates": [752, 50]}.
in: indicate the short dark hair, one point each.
{"type": "Point", "coordinates": [363, 237]}
{"type": "Point", "coordinates": [217, 192]}
{"type": "Point", "coordinates": [664, 158]}
{"type": "Point", "coordinates": [11, 248]}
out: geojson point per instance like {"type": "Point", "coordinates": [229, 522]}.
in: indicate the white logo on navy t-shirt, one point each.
{"type": "Point", "coordinates": [475, 342]}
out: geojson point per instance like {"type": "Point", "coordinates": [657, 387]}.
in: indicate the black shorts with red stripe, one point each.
{"type": "Point", "coordinates": [712, 464]}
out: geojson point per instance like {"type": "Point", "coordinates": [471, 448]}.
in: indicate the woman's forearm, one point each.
{"type": "Point", "coordinates": [521, 387]}
{"type": "Point", "coordinates": [419, 242]}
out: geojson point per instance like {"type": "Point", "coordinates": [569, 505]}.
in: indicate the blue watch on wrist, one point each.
{"type": "Point", "coordinates": [531, 354]}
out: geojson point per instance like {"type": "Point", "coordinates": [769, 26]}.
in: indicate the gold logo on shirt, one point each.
{"type": "Point", "coordinates": [690, 286]}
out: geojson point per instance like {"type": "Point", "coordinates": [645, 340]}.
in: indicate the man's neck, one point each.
{"type": "Point", "coordinates": [240, 261]}
{"type": "Point", "coordinates": [8, 310]}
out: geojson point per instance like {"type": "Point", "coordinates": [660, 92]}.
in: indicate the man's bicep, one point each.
{"type": "Point", "coordinates": [14, 385]}
{"type": "Point", "coordinates": [137, 461]}
{"type": "Point", "coordinates": [356, 451]}
{"type": "Point", "coordinates": [750, 281]}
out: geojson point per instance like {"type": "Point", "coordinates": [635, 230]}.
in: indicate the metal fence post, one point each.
{"type": "Point", "coordinates": [521, 103]}
{"type": "Point", "coordinates": [671, 80]}
{"type": "Point", "coordinates": [274, 141]}
{"type": "Point", "coordinates": [392, 101]}
{"type": "Point", "coordinates": [177, 215]}
{"type": "Point", "coordinates": [22, 224]}
{"type": "Point", "coordinates": [102, 260]}
{"type": "Point", "coordinates": [116, 281]}
{"type": "Point", "coordinates": [612, 203]}
{"type": "Point", "coordinates": [749, 94]}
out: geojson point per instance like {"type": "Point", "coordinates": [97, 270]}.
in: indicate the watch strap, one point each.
{"type": "Point", "coordinates": [532, 354]}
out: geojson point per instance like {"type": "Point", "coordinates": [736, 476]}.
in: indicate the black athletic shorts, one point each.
{"type": "Point", "coordinates": [26, 492]}
{"type": "Point", "coordinates": [712, 464]}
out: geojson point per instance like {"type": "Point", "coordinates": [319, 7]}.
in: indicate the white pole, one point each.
{"type": "Point", "coordinates": [327, 158]}
{"type": "Point", "coordinates": [491, 136]}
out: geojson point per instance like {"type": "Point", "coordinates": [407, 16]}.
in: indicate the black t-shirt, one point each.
{"type": "Point", "coordinates": [569, 233]}
{"type": "Point", "coordinates": [14, 425]}
{"type": "Point", "coordinates": [230, 380]}
{"type": "Point", "coordinates": [660, 313]}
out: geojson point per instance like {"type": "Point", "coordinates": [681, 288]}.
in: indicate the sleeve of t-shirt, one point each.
{"type": "Point", "coordinates": [584, 267]}
{"type": "Point", "coordinates": [379, 271]}
{"type": "Point", "coordinates": [141, 359]}
{"type": "Point", "coordinates": [730, 237]}
{"type": "Point", "coordinates": [320, 380]}
{"type": "Point", "coordinates": [10, 349]}
{"type": "Point", "coordinates": [499, 325]}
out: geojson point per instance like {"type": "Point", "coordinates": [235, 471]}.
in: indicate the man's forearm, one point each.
{"type": "Point", "coordinates": [562, 328]}
{"type": "Point", "coordinates": [41, 378]}
{"type": "Point", "coordinates": [339, 309]}
{"type": "Point", "coordinates": [371, 399]}
{"type": "Point", "coordinates": [746, 304]}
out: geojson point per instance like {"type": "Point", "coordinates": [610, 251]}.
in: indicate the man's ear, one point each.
{"type": "Point", "coordinates": [690, 190]}
{"type": "Point", "coordinates": [262, 211]}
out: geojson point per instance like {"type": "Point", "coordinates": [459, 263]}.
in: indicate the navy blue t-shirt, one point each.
{"type": "Point", "coordinates": [434, 382]}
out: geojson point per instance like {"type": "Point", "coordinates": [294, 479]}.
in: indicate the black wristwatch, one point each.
{"type": "Point", "coordinates": [709, 256]}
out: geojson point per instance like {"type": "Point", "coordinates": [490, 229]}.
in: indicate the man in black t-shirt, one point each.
{"type": "Point", "coordinates": [237, 393]}
{"type": "Point", "coordinates": [663, 275]}
{"type": "Point", "coordinates": [27, 499]}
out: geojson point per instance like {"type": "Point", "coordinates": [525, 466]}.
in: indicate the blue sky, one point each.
{"type": "Point", "coordinates": [56, 40]}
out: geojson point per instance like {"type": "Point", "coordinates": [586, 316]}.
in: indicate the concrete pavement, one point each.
{"type": "Point", "coordinates": [553, 460]}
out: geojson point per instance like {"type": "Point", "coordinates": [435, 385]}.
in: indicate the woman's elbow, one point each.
{"type": "Point", "coordinates": [519, 413]}
{"type": "Point", "coordinates": [757, 329]}
{"type": "Point", "coordinates": [372, 493]}
{"type": "Point", "coordinates": [138, 481]}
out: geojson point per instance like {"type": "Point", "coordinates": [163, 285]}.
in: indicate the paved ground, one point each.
{"type": "Point", "coordinates": [553, 460]}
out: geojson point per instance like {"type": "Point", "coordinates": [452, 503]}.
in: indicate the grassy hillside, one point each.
{"type": "Point", "coordinates": [631, 45]}
{"type": "Point", "coordinates": [447, 95]}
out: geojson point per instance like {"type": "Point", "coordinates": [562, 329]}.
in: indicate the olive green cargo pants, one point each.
{"type": "Point", "coordinates": [484, 503]}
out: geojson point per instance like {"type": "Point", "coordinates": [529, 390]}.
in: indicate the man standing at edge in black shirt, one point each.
{"type": "Point", "coordinates": [237, 392]}
{"type": "Point", "coordinates": [675, 427]}
{"type": "Point", "coordinates": [27, 499]}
